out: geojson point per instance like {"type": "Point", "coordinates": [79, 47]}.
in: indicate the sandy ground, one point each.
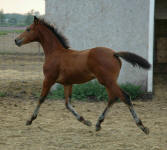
{"type": "Point", "coordinates": [56, 128]}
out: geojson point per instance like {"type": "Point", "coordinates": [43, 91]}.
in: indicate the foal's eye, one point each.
{"type": "Point", "coordinates": [28, 29]}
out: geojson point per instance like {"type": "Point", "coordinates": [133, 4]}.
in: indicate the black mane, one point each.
{"type": "Point", "coordinates": [57, 33]}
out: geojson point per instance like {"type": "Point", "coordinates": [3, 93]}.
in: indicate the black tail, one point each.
{"type": "Point", "coordinates": [134, 59]}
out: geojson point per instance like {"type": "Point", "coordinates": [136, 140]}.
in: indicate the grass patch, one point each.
{"type": "Point", "coordinates": [5, 32]}
{"type": "Point", "coordinates": [134, 91]}
{"type": "Point", "coordinates": [94, 91]}
{"type": "Point", "coordinates": [2, 94]}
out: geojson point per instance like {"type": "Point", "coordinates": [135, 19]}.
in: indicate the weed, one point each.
{"type": "Point", "coordinates": [2, 94]}
{"type": "Point", "coordinates": [94, 91]}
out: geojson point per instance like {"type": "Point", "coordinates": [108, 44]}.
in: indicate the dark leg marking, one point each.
{"type": "Point", "coordinates": [134, 114]}
{"type": "Point", "coordinates": [101, 118]}
{"type": "Point", "coordinates": [79, 118]}
{"type": "Point", "coordinates": [138, 121]}
{"type": "Point", "coordinates": [34, 115]}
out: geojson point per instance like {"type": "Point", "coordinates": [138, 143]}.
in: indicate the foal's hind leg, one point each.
{"type": "Point", "coordinates": [111, 101]}
{"type": "Point", "coordinates": [126, 99]}
{"type": "Point", "coordinates": [131, 108]}
{"type": "Point", "coordinates": [114, 89]}
{"type": "Point", "coordinates": [46, 87]}
{"type": "Point", "coordinates": [67, 93]}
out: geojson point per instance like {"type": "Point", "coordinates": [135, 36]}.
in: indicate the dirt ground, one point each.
{"type": "Point", "coordinates": [56, 128]}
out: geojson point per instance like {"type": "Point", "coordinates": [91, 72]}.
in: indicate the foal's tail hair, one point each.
{"type": "Point", "coordinates": [134, 59]}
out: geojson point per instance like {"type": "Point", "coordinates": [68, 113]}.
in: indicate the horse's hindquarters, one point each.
{"type": "Point", "coordinates": [104, 65]}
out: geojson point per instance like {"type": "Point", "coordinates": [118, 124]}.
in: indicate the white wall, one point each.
{"type": "Point", "coordinates": [122, 25]}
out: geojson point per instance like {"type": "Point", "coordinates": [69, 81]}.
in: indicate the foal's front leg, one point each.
{"type": "Point", "coordinates": [68, 93]}
{"type": "Point", "coordinates": [46, 87]}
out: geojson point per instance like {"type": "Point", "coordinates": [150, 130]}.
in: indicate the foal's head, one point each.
{"type": "Point", "coordinates": [32, 33]}
{"type": "Point", "coordinates": [29, 35]}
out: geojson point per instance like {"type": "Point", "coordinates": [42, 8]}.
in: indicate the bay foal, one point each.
{"type": "Point", "coordinates": [66, 66]}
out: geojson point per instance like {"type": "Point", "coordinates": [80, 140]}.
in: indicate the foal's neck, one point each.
{"type": "Point", "coordinates": [49, 41]}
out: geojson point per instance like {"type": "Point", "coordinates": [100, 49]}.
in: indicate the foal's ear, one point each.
{"type": "Point", "coordinates": [36, 20]}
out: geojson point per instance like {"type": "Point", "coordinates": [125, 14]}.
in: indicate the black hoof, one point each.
{"type": "Point", "coordinates": [88, 123]}
{"type": "Point", "coordinates": [98, 128]}
{"type": "Point", "coordinates": [28, 122]}
{"type": "Point", "coordinates": [146, 130]}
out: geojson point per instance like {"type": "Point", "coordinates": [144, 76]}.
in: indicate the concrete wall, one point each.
{"type": "Point", "coordinates": [118, 24]}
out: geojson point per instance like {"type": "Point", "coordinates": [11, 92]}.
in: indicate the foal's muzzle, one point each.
{"type": "Point", "coordinates": [18, 42]}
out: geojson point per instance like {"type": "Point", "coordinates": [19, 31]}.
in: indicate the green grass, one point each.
{"type": "Point", "coordinates": [2, 94]}
{"type": "Point", "coordinates": [94, 91]}
{"type": "Point", "coordinates": [5, 32]}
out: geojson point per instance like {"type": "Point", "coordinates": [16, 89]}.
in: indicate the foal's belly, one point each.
{"type": "Point", "coordinates": [75, 78]}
